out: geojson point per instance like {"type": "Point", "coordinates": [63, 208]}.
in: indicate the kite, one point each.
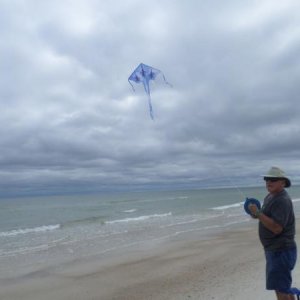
{"type": "Point", "coordinates": [144, 74]}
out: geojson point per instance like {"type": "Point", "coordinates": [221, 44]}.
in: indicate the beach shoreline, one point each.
{"type": "Point", "coordinates": [229, 265]}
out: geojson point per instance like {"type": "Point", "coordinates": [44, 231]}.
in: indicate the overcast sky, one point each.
{"type": "Point", "coordinates": [70, 121]}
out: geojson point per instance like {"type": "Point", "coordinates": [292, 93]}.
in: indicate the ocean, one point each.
{"type": "Point", "coordinates": [36, 232]}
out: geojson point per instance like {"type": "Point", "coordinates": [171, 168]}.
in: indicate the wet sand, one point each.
{"type": "Point", "coordinates": [229, 265]}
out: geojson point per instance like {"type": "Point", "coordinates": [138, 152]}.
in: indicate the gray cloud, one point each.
{"type": "Point", "coordinates": [71, 122]}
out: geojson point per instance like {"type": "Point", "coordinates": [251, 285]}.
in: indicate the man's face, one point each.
{"type": "Point", "coordinates": [274, 185]}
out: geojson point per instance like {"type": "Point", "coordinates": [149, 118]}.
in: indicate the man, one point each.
{"type": "Point", "coordinates": [277, 233]}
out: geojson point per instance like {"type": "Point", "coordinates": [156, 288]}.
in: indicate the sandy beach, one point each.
{"type": "Point", "coordinates": [229, 265]}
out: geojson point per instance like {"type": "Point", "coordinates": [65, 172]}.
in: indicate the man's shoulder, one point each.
{"type": "Point", "coordinates": [284, 195]}
{"type": "Point", "coordinates": [275, 200]}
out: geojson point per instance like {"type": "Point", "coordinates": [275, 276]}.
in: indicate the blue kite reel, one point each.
{"type": "Point", "coordinates": [251, 201]}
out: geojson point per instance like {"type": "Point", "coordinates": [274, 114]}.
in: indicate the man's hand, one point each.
{"type": "Point", "coordinates": [254, 210]}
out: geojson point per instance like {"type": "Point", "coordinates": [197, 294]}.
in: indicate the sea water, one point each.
{"type": "Point", "coordinates": [40, 231]}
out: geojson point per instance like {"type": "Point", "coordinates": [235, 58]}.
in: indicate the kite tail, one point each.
{"type": "Point", "coordinates": [166, 80]}
{"type": "Point", "coordinates": [131, 85]}
{"type": "Point", "coordinates": [150, 108]}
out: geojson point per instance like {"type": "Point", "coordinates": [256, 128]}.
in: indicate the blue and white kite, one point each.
{"type": "Point", "coordinates": [144, 74]}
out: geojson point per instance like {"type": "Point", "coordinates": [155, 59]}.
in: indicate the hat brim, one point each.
{"type": "Point", "coordinates": [287, 181]}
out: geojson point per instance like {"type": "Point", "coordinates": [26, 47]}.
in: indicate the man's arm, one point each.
{"type": "Point", "coordinates": [268, 222]}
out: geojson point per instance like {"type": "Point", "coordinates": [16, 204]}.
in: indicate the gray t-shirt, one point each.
{"type": "Point", "coordinates": [278, 207]}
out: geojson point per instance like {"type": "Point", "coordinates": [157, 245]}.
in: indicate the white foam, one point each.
{"type": "Point", "coordinates": [239, 204]}
{"type": "Point", "coordinates": [129, 210]}
{"type": "Point", "coordinates": [228, 206]}
{"type": "Point", "coordinates": [137, 219]}
{"type": "Point", "coordinates": [29, 230]}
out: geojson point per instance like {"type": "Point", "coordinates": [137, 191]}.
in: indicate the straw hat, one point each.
{"type": "Point", "coordinates": [275, 172]}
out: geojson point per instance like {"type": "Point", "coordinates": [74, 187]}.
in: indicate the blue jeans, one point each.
{"type": "Point", "coordinates": [279, 269]}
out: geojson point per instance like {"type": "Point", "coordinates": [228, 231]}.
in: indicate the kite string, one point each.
{"type": "Point", "coordinates": [230, 181]}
